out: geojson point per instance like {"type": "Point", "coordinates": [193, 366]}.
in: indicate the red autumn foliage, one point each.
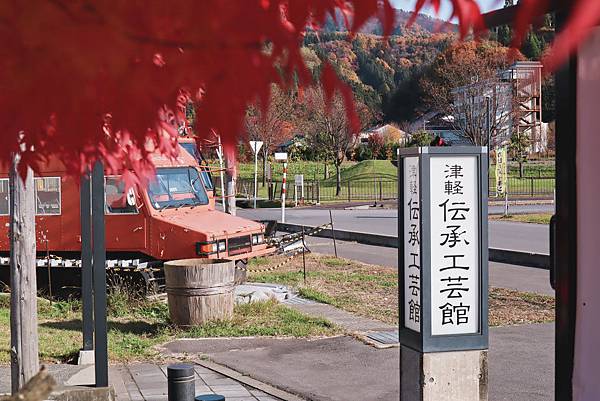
{"type": "Point", "coordinates": [84, 79]}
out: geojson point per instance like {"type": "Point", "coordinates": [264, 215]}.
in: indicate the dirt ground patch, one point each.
{"type": "Point", "coordinates": [508, 307]}
{"type": "Point", "coordinates": [372, 291]}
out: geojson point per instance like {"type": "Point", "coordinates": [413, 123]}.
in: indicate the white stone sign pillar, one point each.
{"type": "Point", "coordinates": [443, 276]}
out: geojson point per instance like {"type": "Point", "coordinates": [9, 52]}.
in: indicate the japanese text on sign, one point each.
{"type": "Point", "coordinates": [501, 170]}
{"type": "Point", "coordinates": [454, 245]}
{"type": "Point", "coordinates": [412, 245]}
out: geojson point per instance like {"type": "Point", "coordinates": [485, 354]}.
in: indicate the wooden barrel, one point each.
{"type": "Point", "coordinates": [199, 290]}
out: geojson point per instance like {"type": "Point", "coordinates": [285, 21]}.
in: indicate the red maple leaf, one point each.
{"type": "Point", "coordinates": [85, 79]}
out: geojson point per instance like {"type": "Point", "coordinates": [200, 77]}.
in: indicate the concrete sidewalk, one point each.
{"type": "Point", "coordinates": [148, 382]}
{"type": "Point", "coordinates": [342, 368]}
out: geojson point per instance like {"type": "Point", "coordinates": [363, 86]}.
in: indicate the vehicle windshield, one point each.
{"type": "Point", "coordinates": [176, 187]}
{"type": "Point", "coordinates": [191, 148]}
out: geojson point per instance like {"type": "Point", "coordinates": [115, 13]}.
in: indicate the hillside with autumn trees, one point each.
{"type": "Point", "coordinates": [391, 76]}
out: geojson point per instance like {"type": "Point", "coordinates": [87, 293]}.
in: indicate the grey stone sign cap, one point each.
{"type": "Point", "coordinates": [180, 371]}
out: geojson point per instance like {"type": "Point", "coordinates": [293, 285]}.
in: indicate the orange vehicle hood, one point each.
{"type": "Point", "coordinates": [212, 223]}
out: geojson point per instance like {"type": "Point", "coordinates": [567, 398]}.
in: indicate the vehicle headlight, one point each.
{"type": "Point", "coordinates": [222, 246]}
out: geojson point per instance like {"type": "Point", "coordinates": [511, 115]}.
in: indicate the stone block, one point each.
{"type": "Point", "coordinates": [443, 376]}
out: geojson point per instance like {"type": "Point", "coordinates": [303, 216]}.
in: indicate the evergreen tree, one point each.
{"type": "Point", "coordinates": [504, 35]}
{"type": "Point", "coordinates": [532, 48]}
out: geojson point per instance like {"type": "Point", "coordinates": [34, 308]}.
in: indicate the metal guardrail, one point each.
{"type": "Point", "coordinates": [380, 190]}
{"type": "Point", "coordinates": [508, 256]}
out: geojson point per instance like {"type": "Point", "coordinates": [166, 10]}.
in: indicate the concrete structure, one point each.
{"type": "Point", "coordinates": [444, 376]}
{"type": "Point", "coordinates": [525, 78]}
{"type": "Point", "coordinates": [510, 104]}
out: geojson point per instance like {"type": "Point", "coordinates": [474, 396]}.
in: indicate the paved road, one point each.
{"type": "Point", "coordinates": [508, 235]}
{"type": "Point", "coordinates": [342, 368]}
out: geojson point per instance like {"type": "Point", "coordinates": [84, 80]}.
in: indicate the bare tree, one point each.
{"type": "Point", "coordinates": [483, 111]}
{"type": "Point", "coordinates": [272, 128]}
{"type": "Point", "coordinates": [329, 130]}
{"type": "Point", "coordinates": [463, 83]}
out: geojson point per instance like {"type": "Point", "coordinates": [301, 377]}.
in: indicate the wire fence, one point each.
{"type": "Point", "coordinates": [376, 190]}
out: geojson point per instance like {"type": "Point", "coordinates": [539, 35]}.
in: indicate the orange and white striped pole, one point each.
{"type": "Point", "coordinates": [282, 157]}
{"type": "Point", "coordinates": [283, 190]}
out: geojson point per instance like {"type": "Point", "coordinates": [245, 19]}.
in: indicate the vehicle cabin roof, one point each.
{"type": "Point", "coordinates": [55, 165]}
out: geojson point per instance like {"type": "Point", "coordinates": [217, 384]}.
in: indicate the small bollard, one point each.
{"type": "Point", "coordinates": [181, 382]}
{"type": "Point", "coordinates": [210, 397]}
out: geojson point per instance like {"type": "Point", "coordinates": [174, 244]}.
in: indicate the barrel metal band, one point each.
{"type": "Point", "coordinates": [185, 379]}
{"type": "Point", "coordinates": [193, 292]}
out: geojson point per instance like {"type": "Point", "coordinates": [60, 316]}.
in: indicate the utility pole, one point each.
{"type": "Point", "coordinates": [23, 284]}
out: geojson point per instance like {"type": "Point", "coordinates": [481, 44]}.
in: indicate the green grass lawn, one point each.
{"type": "Point", "coordinates": [135, 327]}
{"type": "Point", "coordinates": [535, 218]}
{"type": "Point", "coordinates": [364, 177]}
{"type": "Point", "coordinates": [544, 168]}
{"type": "Point", "coordinates": [311, 170]}
{"type": "Point", "coordinates": [368, 170]}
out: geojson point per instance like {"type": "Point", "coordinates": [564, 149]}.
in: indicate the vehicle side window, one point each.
{"type": "Point", "coordinates": [47, 195]}
{"type": "Point", "coordinates": [207, 178]}
{"type": "Point", "coordinates": [116, 199]}
{"type": "Point", "coordinates": [4, 194]}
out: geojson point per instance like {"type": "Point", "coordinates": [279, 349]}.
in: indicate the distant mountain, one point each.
{"type": "Point", "coordinates": [422, 23]}
{"type": "Point", "coordinates": [383, 74]}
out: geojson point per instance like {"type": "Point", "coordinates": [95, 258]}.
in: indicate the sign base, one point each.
{"type": "Point", "coordinates": [443, 376]}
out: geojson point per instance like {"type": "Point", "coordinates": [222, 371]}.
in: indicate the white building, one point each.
{"type": "Point", "coordinates": [513, 102]}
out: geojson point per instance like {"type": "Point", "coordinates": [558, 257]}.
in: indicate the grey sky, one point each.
{"type": "Point", "coordinates": [409, 5]}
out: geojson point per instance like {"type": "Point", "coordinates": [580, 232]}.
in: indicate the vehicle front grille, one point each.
{"type": "Point", "coordinates": [238, 245]}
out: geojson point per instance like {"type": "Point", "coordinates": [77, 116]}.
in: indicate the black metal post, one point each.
{"type": "Point", "coordinates": [303, 255]}
{"type": "Point", "coordinates": [99, 276]}
{"type": "Point", "coordinates": [318, 193]}
{"type": "Point", "coordinates": [332, 233]}
{"type": "Point", "coordinates": [488, 127]}
{"type": "Point", "coordinates": [349, 192]}
{"type": "Point", "coordinates": [181, 383]}
{"type": "Point", "coordinates": [566, 223]}
{"type": "Point", "coordinates": [87, 301]}
{"type": "Point", "coordinates": [49, 271]}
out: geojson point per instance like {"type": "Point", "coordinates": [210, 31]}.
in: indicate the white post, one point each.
{"type": "Point", "coordinates": [255, 177]}
{"type": "Point", "coordinates": [256, 145]}
{"type": "Point", "coordinates": [282, 156]}
{"type": "Point", "coordinates": [283, 192]}
{"type": "Point", "coordinates": [220, 155]}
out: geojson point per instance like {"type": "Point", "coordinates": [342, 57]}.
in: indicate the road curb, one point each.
{"type": "Point", "coordinates": [508, 256]}
{"type": "Point", "coordinates": [248, 381]}
{"type": "Point", "coordinates": [520, 258]}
